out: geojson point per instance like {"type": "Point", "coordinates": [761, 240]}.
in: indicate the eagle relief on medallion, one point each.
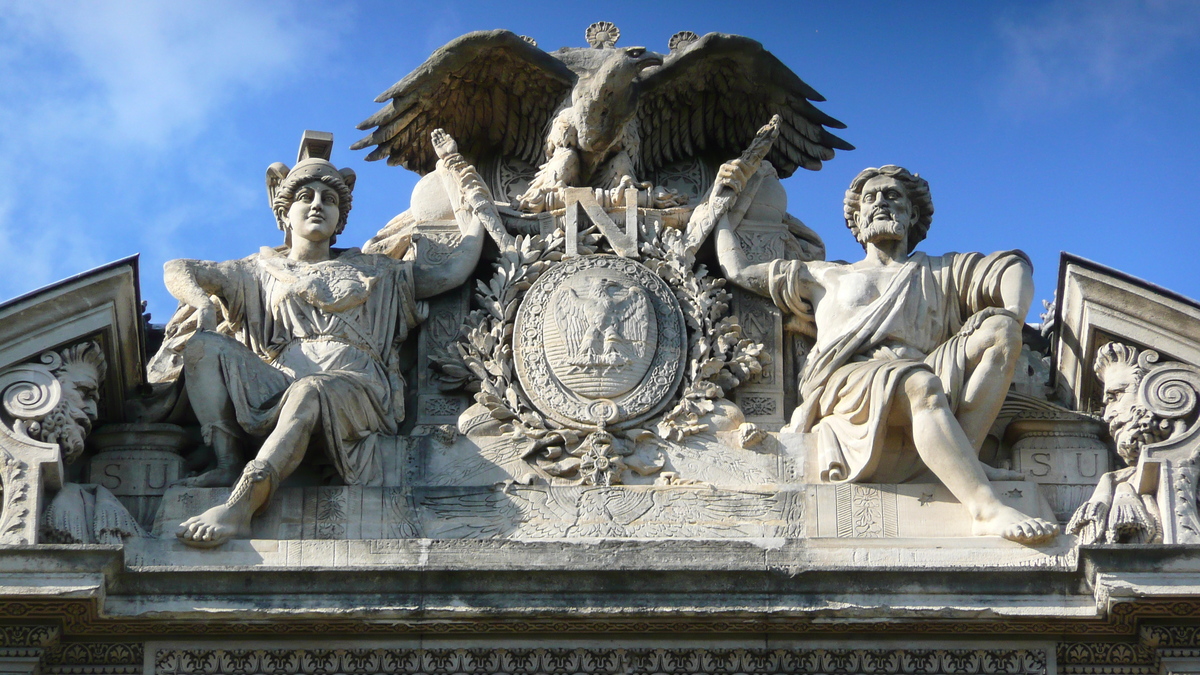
{"type": "Point", "coordinates": [599, 341]}
{"type": "Point", "coordinates": [599, 369]}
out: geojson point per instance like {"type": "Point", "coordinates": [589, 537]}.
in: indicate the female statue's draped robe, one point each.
{"type": "Point", "coordinates": [852, 373]}
{"type": "Point", "coordinates": [336, 325]}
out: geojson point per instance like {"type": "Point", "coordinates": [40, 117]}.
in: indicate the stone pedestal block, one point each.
{"type": "Point", "coordinates": [1065, 457]}
{"type": "Point", "coordinates": [137, 462]}
{"type": "Point", "coordinates": [909, 510]}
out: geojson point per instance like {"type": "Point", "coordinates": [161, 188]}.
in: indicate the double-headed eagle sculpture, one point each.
{"type": "Point", "coordinates": [599, 116]}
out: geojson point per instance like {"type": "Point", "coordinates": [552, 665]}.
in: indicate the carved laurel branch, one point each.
{"type": "Point", "coordinates": [16, 499]}
{"type": "Point", "coordinates": [720, 358]}
{"type": "Point", "coordinates": [29, 392]}
{"type": "Point", "coordinates": [482, 358]}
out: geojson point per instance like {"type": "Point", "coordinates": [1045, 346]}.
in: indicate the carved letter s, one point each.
{"type": "Point", "coordinates": [1043, 459]}
{"type": "Point", "coordinates": [109, 474]}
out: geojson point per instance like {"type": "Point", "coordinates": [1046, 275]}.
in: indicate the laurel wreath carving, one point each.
{"type": "Point", "coordinates": [481, 360]}
{"type": "Point", "coordinates": [721, 358]}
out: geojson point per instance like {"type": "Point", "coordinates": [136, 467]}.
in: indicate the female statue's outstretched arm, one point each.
{"type": "Point", "coordinates": [473, 207]}
{"type": "Point", "coordinates": [192, 282]}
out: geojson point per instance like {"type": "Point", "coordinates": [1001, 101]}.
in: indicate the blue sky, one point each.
{"type": "Point", "coordinates": [146, 127]}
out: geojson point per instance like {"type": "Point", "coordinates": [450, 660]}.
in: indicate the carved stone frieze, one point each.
{"type": "Point", "coordinates": [29, 635]}
{"type": "Point", "coordinates": [1097, 658]}
{"type": "Point", "coordinates": [682, 660]}
{"type": "Point", "coordinates": [94, 658]}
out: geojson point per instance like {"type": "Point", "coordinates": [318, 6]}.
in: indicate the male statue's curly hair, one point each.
{"type": "Point", "coordinates": [917, 189]}
{"type": "Point", "coordinates": [1117, 354]}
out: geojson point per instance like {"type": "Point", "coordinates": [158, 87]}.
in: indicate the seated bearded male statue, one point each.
{"type": "Point", "coordinates": [913, 353]}
{"type": "Point", "coordinates": [301, 343]}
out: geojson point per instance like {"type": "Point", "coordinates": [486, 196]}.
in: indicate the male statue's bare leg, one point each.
{"type": "Point", "coordinates": [992, 354]}
{"type": "Point", "coordinates": [946, 450]}
{"type": "Point", "coordinates": [210, 400]}
{"type": "Point", "coordinates": [281, 453]}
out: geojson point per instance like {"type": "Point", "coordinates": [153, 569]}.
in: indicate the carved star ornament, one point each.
{"type": "Point", "coordinates": [497, 93]}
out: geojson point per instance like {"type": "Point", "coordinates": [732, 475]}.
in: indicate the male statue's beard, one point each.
{"type": "Point", "coordinates": [68, 426]}
{"type": "Point", "coordinates": [882, 229]}
{"type": "Point", "coordinates": [1133, 429]}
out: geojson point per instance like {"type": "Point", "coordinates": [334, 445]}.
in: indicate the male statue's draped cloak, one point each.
{"type": "Point", "coordinates": [852, 373]}
{"type": "Point", "coordinates": [336, 325]}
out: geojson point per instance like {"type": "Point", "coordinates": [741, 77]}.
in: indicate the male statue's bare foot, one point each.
{"type": "Point", "coordinates": [216, 526]}
{"type": "Point", "coordinates": [1005, 521]}
{"type": "Point", "coordinates": [222, 476]}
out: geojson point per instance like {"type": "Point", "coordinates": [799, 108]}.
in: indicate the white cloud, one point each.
{"type": "Point", "coordinates": [143, 72]}
{"type": "Point", "coordinates": [119, 89]}
{"type": "Point", "coordinates": [1070, 51]}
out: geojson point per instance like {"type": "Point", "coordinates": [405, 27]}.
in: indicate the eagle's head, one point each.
{"type": "Point", "coordinates": [603, 287]}
{"type": "Point", "coordinates": [623, 65]}
{"type": "Point", "coordinates": [615, 68]}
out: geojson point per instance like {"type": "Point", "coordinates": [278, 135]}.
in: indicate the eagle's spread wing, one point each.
{"type": "Point", "coordinates": [478, 513]}
{"type": "Point", "coordinates": [711, 96]}
{"type": "Point", "coordinates": [632, 318]}
{"type": "Point", "coordinates": [571, 317]}
{"type": "Point", "coordinates": [491, 90]}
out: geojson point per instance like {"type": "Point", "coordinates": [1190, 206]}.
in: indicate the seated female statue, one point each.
{"type": "Point", "coordinates": [308, 345]}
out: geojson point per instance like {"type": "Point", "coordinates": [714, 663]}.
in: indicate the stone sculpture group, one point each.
{"type": "Point", "coordinates": [597, 318]}
{"type": "Point", "coordinates": [597, 402]}
{"type": "Point", "coordinates": [913, 354]}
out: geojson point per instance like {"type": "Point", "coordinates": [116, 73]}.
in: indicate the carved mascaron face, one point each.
{"type": "Point", "coordinates": [885, 212]}
{"type": "Point", "coordinates": [315, 212]}
{"type": "Point", "coordinates": [1130, 423]}
{"type": "Point", "coordinates": [81, 389]}
{"type": "Point", "coordinates": [71, 421]}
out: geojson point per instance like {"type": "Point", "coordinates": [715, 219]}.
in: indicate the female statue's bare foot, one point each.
{"type": "Point", "coordinates": [216, 526]}
{"type": "Point", "coordinates": [218, 477]}
{"type": "Point", "coordinates": [1007, 522]}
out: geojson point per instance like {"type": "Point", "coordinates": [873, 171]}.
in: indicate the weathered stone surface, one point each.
{"type": "Point", "coordinates": [913, 355]}
{"type": "Point", "coordinates": [537, 423]}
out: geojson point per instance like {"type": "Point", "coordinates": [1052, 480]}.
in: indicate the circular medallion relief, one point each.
{"type": "Point", "coordinates": [599, 340]}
